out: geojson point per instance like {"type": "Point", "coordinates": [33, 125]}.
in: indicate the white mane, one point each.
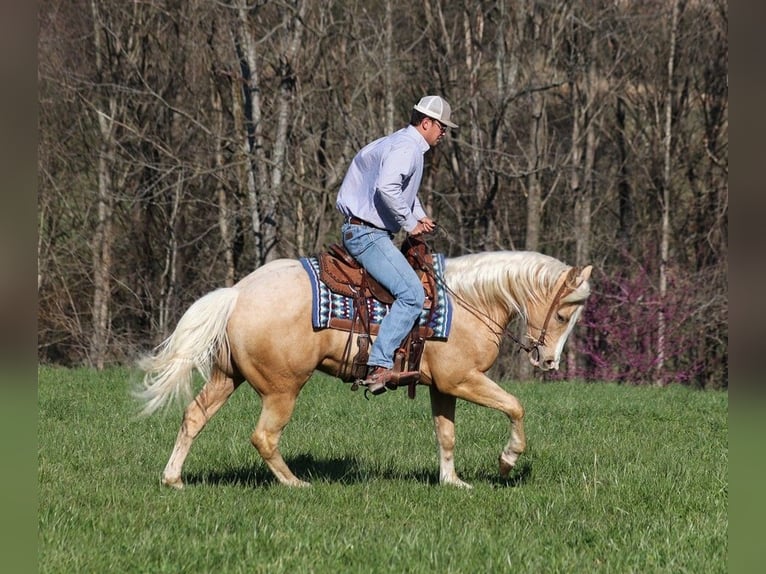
{"type": "Point", "coordinates": [508, 279]}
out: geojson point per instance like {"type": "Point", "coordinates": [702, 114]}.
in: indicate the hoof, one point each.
{"type": "Point", "coordinates": [297, 484]}
{"type": "Point", "coordinates": [456, 482]}
{"type": "Point", "coordinates": [176, 483]}
{"type": "Point", "coordinates": [507, 462]}
{"type": "Point", "coordinates": [294, 482]}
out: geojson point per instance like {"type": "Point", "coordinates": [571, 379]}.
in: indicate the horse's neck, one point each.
{"type": "Point", "coordinates": [503, 296]}
{"type": "Point", "coordinates": [505, 317]}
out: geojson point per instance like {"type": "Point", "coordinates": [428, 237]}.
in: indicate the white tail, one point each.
{"type": "Point", "coordinates": [195, 343]}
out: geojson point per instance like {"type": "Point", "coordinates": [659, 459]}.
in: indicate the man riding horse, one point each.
{"type": "Point", "coordinates": [377, 198]}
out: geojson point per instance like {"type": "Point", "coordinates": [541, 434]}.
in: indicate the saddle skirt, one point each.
{"type": "Point", "coordinates": [337, 279]}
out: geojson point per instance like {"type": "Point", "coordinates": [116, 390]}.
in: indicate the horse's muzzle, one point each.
{"type": "Point", "coordinates": [542, 364]}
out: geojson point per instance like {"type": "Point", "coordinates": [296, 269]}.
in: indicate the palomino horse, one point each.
{"type": "Point", "coordinates": [260, 331]}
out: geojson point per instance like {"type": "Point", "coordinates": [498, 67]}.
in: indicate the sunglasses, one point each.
{"type": "Point", "coordinates": [442, 127]}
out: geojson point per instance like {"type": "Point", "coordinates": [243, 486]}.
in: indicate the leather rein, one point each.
{"type": "Point", "coordinates": [479, 314]}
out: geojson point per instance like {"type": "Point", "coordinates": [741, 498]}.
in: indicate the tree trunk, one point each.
{"type": "Point", "coordinates": [247, 116]}
{"type": "Point", "coordinates": [581, 183]}
{"type": "Point", "coordinates": [102, 246]}
{"type": "Point", "coordinates": [473, 36]}
{"type": "Point", "coordinates": [534, 185]}
{"type": "Point", "coordinates": [168, 278]}
{"type": "Point", "coordinates": [538, 134]}
{"type": "Point", "coordinates": [388, 67]}
{"type": "Point", "coordinates": [665, 230]}
{"type": "Point", "coordinates": [507, 66]}
{"type": "Point", "coordinates": [103, 235]}
{"type": "Point", "coordinates": [293, 21]}
{"type": "Point", "coordinates": [224, 212]}
{"type": "Point", "coordinates": [534, 193]}
{"type": "Point", "coordinates": [624, 198]}
{"type": "Point", "coordinates": [583, 232]}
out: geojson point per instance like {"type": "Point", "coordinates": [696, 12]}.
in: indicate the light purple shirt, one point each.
{"type": "Point", "coordinates": [382, 182]}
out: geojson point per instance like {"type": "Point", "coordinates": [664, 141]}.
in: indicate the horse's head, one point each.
{"type": "Point", "coordinates": [551, 320]}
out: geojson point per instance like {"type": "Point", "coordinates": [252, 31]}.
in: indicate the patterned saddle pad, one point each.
{"type": "Point", "coordinates": [329, 309]}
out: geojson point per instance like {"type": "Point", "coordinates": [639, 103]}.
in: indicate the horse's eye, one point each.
{"type": "Point", "coordinates": [560, 318]}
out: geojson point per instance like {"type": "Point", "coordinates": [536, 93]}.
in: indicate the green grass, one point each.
{"type": "Point", "coordinates": [615, 479]}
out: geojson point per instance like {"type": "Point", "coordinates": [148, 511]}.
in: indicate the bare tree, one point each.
{"type": "Point", "coordinates": [107, 110]}
{"type": "Point", "coordinates": [248, 114]}
{"type": "Point", "coordinates": [666, 183]}
{"type": "Point", "coordinates": [225, 219]}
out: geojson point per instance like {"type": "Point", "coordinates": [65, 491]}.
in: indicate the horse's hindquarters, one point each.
{"type": "Point", "coordinates": [273, 343]}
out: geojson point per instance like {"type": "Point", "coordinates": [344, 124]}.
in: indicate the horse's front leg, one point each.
{"type": "Point", "coordinates": [477, 388]}
{"type": "Point", "coordinates": [443, 411]}
{"type": "Point", "coordinates": [516, 444]}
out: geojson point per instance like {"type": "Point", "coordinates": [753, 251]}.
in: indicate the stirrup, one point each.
{"type": "Point", "coordinates": [378, 379]}
{"type": "Point", "coordinates": [382, 378]}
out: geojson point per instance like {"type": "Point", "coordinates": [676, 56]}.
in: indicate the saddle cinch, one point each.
{"type": "Point", "coordinates": [344, 275]}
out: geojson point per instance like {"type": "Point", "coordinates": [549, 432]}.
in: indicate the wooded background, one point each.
{"type": "Point", "coordinates": [184, 143]}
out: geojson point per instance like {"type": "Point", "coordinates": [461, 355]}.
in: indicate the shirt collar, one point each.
{"type": "Point", "coordinates": [413, 132]}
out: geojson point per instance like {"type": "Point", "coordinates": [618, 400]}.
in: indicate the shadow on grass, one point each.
{"type": "Point", "coordinates": [518, 476]}
{"type": "Point", "coordinates": [344, 471]}
{"type": "Point", "coordinates": [250, 477]}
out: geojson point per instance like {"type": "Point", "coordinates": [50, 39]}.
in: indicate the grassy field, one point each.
{"type": "Point", "coordinates": [615, 479]}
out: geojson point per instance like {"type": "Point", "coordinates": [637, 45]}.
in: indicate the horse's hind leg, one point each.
{"type": "Point", "coordinates": [212, 397]}
{"type": "Point", "coordinates": [275, 414]}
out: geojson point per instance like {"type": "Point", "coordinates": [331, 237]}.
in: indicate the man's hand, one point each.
{"type": "Point", "coordinates": [425, 225]}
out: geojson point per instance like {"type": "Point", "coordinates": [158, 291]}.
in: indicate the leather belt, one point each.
{"type": "Point", "coordinates": [356, 221]}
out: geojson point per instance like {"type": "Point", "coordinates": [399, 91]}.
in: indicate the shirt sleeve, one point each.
{"type": "Point", "coordinates": [418, 210]}
{"type": "Point", "coordinates": [396, 171]}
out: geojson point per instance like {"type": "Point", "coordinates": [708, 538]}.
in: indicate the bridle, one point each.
{"type": "Point", "coordinates": [534, 347]}
{"type": "Point", "coordinates": [563, 291]}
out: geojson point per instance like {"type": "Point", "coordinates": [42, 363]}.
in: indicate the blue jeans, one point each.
{"type": "Point", "coordinates": [376, 252]}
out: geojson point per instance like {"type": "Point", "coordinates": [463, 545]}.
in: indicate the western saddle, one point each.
{"type": "Point", "coordinates": [344, 275]}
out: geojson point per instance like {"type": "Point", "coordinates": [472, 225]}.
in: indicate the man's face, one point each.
{"type": "Point", "coordinates": [433, 130]}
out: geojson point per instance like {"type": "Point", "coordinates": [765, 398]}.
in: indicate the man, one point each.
{"type": "Point", "coordinates": [377, 198]}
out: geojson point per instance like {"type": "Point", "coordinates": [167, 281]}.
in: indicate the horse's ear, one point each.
{"type": "Point", "coordinates": [576, 279]}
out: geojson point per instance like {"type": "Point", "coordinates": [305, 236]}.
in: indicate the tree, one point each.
{"type": "Point", "coordinates": [183, 144]}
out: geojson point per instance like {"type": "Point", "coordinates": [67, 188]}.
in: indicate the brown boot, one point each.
{"type": "Point", "coordinates": [381, 378]}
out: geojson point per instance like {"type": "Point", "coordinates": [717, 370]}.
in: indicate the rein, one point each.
{"type": "Point", "coordinates": [486, 319]}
